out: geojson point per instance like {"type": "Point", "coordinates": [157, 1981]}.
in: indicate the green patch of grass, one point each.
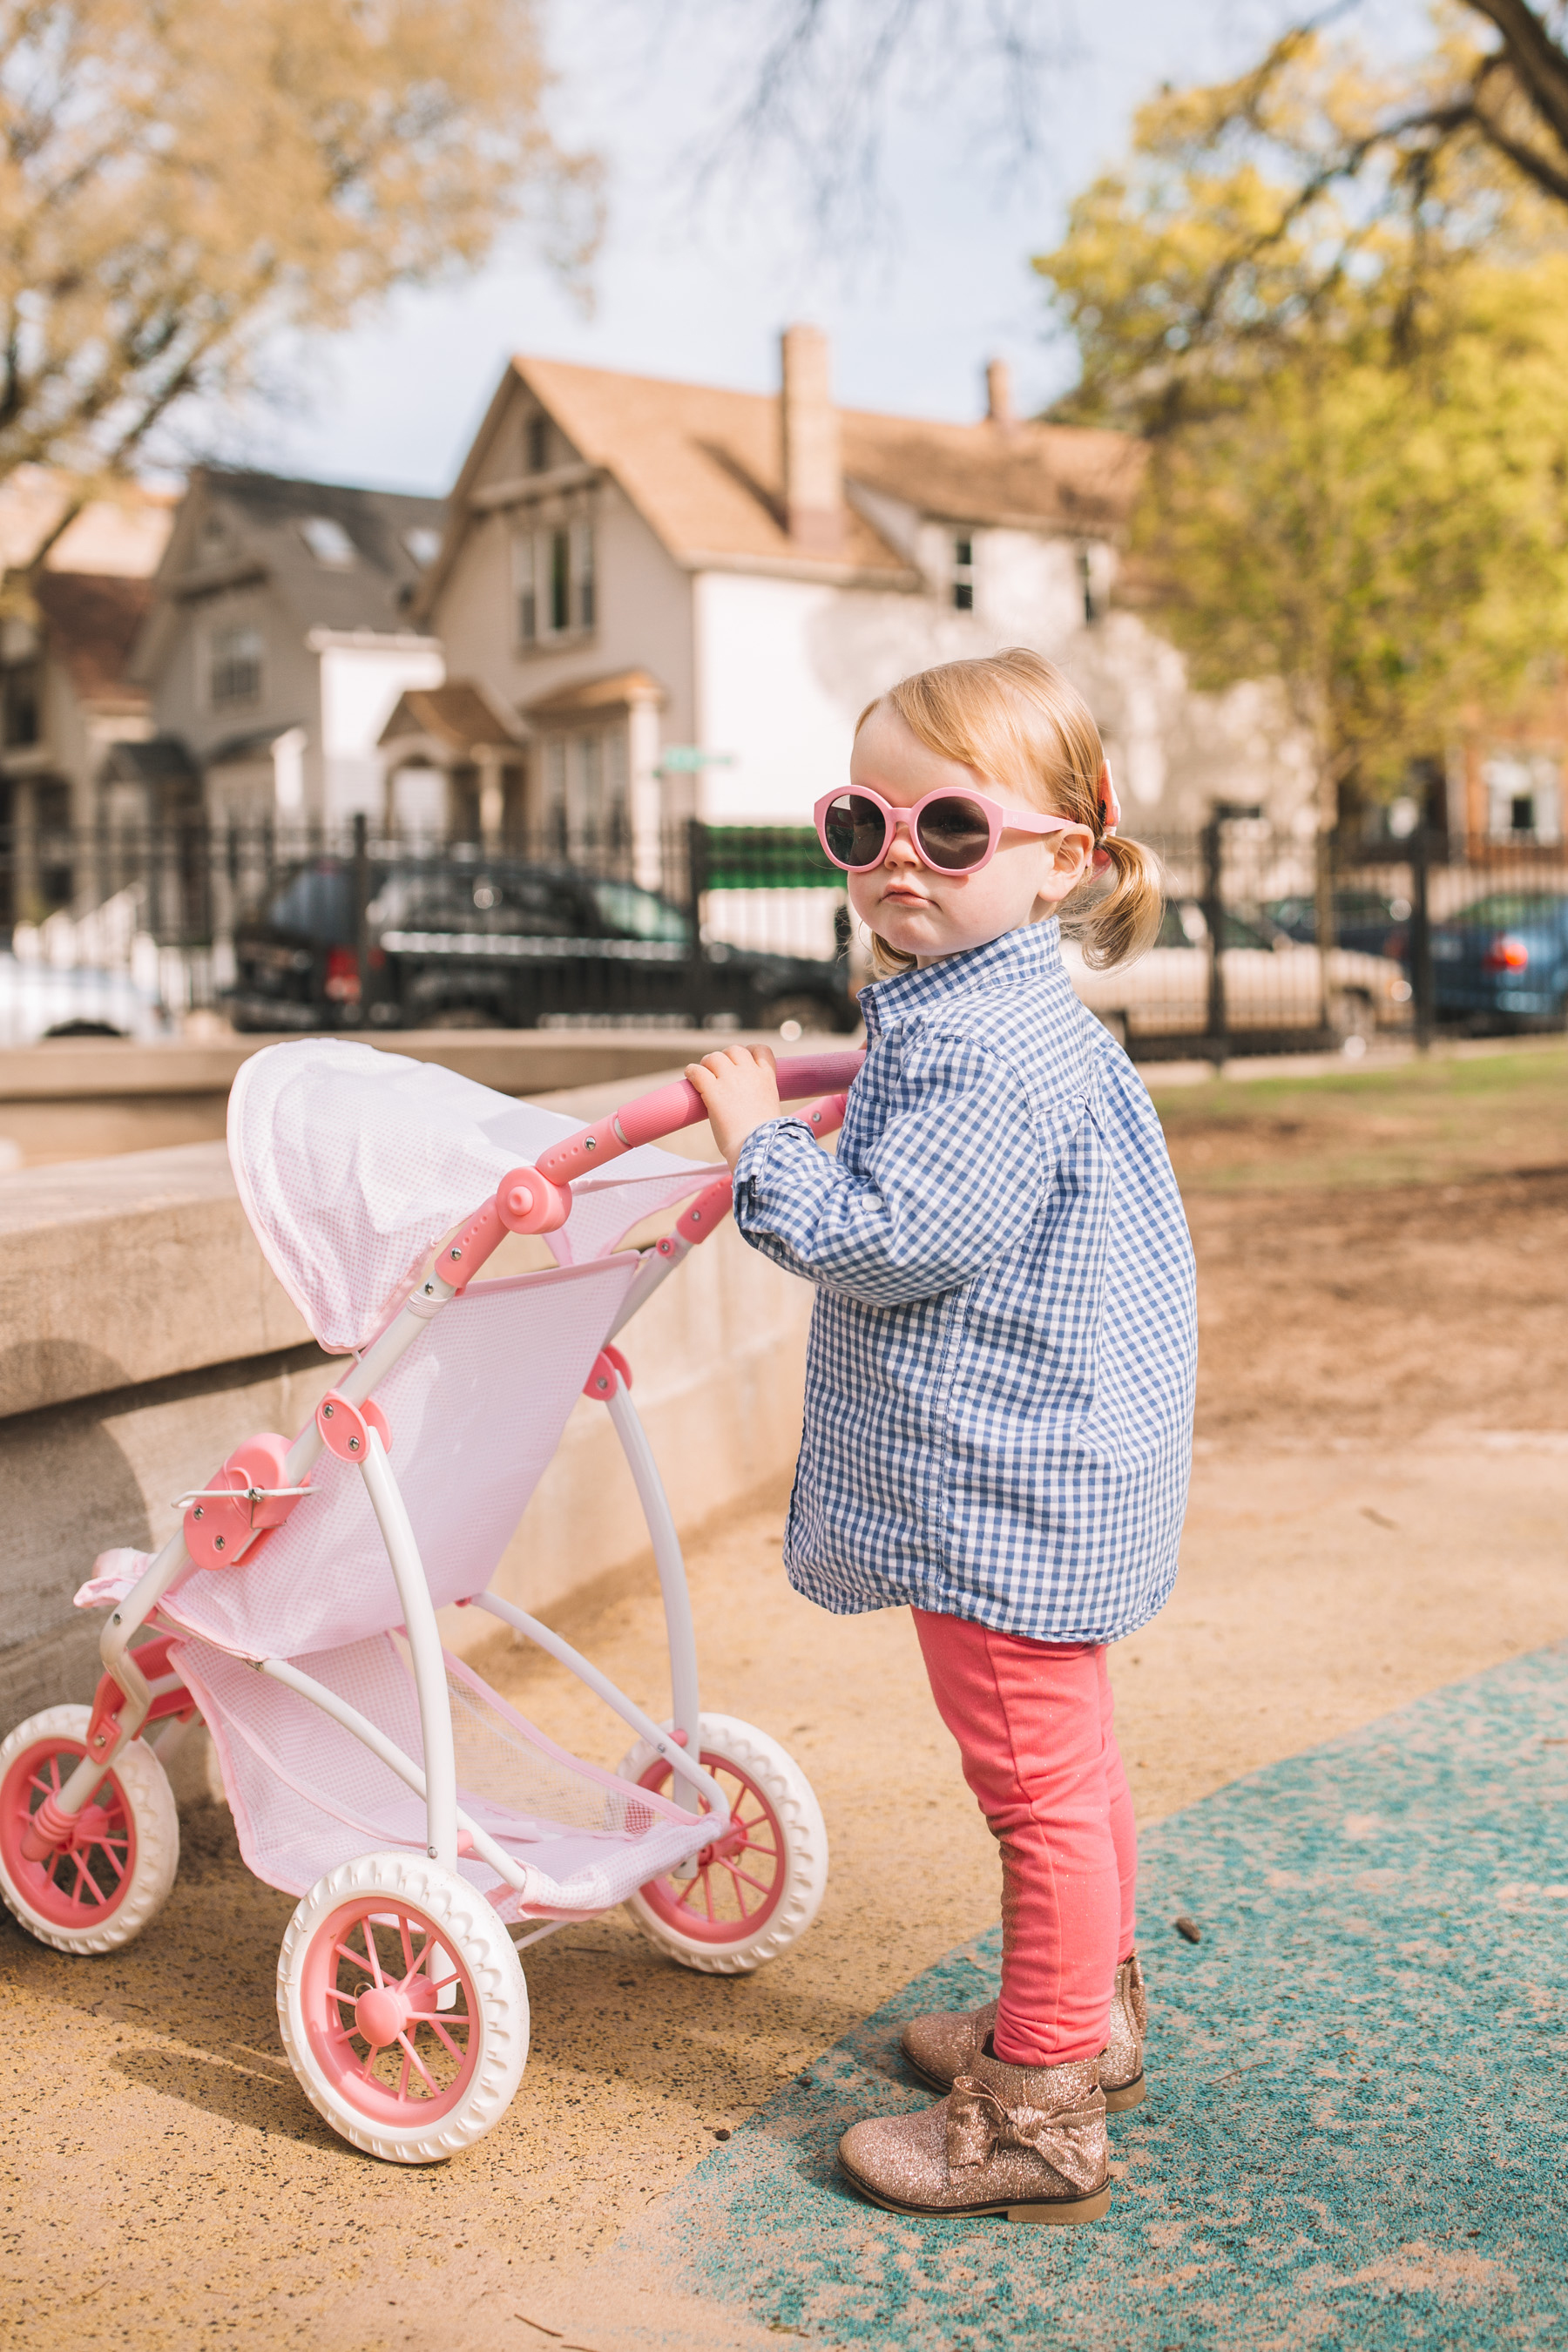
{"type": "Point", "coordinates": [1436, 1121]}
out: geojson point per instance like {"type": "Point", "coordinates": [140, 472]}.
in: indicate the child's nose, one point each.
{"type": "Point", "coordinates": [900, 850]}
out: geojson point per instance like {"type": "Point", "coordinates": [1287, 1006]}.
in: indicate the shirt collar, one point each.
{"type": "Point", "coordinates": [1015, 959]}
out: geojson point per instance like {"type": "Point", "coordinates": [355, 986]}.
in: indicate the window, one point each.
{"type": "Point", "coordinates": [536, 442]}
{"type": "Point", "coordinates": [963, 573]}
{"type": "Point", "coordinates": [637, 913]}
{"type": "Point", "coordinates": [583, 572]}
{"type": "Point", "coordinates": [329, 542]}
{"type": "Point", "coordinates": [424, 544]}
{"type": "Point", "coordinates": [19, 720]}
{"type": "Point", "coordinates": [234, 669]}
{"type": "Point", "coordinates": [586, 805]}
{"type": "Point", "coordinates": [553, 572]}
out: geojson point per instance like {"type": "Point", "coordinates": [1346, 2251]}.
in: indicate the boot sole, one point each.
{"type": "Point", "coordinates": [1059, 2212]}
{"type": "Point", "coordinates": [1117, 2101]}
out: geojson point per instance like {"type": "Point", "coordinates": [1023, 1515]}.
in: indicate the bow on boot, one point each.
{"type": "Point", "coordinates": [1066, 2138]}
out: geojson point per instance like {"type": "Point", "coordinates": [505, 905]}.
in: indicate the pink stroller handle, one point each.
{"type": "Point", "coordinates": [669, 1109]}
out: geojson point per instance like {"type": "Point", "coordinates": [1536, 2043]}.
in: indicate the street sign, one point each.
{"type": "Point", "coordinates": [681, 759]}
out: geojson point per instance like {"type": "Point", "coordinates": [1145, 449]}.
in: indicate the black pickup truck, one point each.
{"type": "Point", "coordinates": [508, 944]}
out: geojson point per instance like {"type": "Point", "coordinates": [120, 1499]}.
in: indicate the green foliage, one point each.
{"type": "Point", "coordinates": [182, 182]}
{"type": "Point", "coordinates": [1358, 446]}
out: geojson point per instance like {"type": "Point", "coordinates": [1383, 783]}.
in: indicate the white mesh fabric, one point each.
{"type": "Point", "coordinates": [306, 1794]}
{"type": "Point", "coordinates": [352, 1163]}
{"type": "Point", "coordinates": [475, 1409]}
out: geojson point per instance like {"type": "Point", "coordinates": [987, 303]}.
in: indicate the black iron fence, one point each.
{"type": "Point", "coordinates": [1273, 939]}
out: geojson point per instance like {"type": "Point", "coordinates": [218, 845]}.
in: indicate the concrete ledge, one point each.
{"type": "Point", "coordinates": [146, 1335]}
{"type": "Point", "coordinates": [86, 1097]}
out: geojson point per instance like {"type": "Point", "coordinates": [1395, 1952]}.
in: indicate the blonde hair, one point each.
{"type": "Point", "coordinates": [1013, 717]}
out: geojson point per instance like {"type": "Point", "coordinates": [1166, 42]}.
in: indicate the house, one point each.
{"type": "Point", "coordinates": [68, 701]}
{"type": "Point", "coordinates": [281, 635]}
{"type": "Point", "coordinates": [676, 599]}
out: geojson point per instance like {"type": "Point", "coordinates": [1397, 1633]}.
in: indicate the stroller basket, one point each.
{"type": "Point", "coordinates": [307, 1794]}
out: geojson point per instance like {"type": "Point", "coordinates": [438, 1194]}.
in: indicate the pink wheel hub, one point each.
{"type": "Point", "coordinates": [83, 1882]}
{"type": "Point", "coordinates": [381, 2014]}
{"type": "Point", "coordinates": [392, 2011]}
{"type": "Point", "coordinates": [739, 1877]}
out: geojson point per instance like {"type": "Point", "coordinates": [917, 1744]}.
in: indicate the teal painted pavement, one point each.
{"type": "Point", "coordinates": [1357, 2132]}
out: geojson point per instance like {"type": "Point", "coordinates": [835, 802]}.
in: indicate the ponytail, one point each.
{"type": "Point", "coordinates": [1120, 922]}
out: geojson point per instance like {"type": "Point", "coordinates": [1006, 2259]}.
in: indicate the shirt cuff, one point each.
{"type": "Point", "coordinates": [760, 1147]}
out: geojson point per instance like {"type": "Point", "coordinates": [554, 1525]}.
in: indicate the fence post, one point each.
{"type": "Point", "coordinates": [1423, 980]}
{"type": "Point", "coordinates": [1325, 926]}
{"type": "Point", "coordinates": [1214, 917]}
{"type": "Point", "coordinates": [696, 888]}
{"type": "Point", "coordinates": [362, 901]}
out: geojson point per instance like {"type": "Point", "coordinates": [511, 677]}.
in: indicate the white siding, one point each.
{"type": "Point", "coordinates": [360, 687]}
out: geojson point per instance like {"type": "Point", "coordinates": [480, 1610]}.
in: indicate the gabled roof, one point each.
{"type": "Point", "coordinates": [92, 619]}
{"type": "Point", "coordinates": [237, 524]}
{"type": "Point", "coordinates": [702, 467]}
{"type": "Point", "coordinates": [458, 716]}
{"type": "Point", "coordinates": [585, 696]}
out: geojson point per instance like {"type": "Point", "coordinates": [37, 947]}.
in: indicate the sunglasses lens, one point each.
{"type": "Point", "coordinates": [955, 834]}
{"type": "Point", "coordinates": [855, 830]}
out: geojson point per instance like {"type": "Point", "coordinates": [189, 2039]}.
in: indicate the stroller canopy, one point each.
{"type": "Point", "coordinates": [352, 1163]}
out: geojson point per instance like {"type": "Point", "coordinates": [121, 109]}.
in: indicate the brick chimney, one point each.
{"type": "Point", "coordinates": [999, 408]}
{"type": "Point", "coordinates": [813, 466]}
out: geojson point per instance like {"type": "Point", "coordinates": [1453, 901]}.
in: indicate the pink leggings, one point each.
{"type": "Point", "coordinates": [1032, 1720]}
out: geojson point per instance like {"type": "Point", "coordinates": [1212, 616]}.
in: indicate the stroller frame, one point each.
{"type": "Point", "coordinates": [139, 1687]}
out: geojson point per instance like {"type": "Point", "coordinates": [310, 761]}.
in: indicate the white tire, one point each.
{"type": "Point", "coordinates": [705, 1922]}
{"type": "Point", "coordinates": [114, 1879]}
{"type": "Point", "coordinates": [435, 2067]}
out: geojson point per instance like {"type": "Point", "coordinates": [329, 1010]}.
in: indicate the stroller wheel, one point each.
{"type": "Point", "coordinates": [403, 2008]}
{"type": "Point", "coordinates": [756, 1892]}
{"type": "Point", "coordinates": [114, 1877]}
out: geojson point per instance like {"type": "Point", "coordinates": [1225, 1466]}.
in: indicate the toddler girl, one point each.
{"type": "Point", "coordinates": [999, 1396]}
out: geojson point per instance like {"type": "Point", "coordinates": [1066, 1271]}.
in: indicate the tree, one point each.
{"type": "Point", "coordinates": [180, 180]}
{"type": "Point", "coordinates": [807, 85]}
{"type": "Point", "coordinates": [1499, 76]}
{"type": "Point", "coordinates": [1358, 450]}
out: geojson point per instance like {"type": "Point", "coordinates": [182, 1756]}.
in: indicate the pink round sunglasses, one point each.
{"type": "Point", "coordinates": [951, 831]}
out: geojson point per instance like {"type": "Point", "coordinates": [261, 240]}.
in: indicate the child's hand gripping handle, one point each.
{"type": "Point", "coordinates": [669, 1109]}
{"type": "Point", "coordinates": [707, 1213]}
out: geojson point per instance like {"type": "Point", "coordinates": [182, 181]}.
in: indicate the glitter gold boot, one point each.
{"type": "Point", "coordinates": [1026, 2141]}
{"type": "Point", "coordinates": [940, 2048]}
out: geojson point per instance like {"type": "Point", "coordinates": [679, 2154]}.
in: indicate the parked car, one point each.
{"type": "Point", "coordinates": [501, 942]}
{"type": "Point", "coordinates": [1363, 919]}
{"type": "Point", "coordinates": [1504, 962]}
{"type": "Point", "coordinates": [1273, 984]}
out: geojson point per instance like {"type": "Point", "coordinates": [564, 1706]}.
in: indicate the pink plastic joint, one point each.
{"type": "Point", "coordinates": [220, 1527]}
{"type": "Point", "coordinates": [707, 1212]}
{"type": "Point", "coordinates": [527, 1202]}
{"type": "Point", "coordinates": [611, 1371]}
{"type": "Point", "coordinates": [345, 1428]}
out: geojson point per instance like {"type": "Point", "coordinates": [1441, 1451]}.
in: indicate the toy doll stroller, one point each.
{"type": "Point", "coordinates": [428, 1830]}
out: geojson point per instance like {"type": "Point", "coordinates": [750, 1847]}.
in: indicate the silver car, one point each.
{"type": "Point", "coordinates": [1273, 984]}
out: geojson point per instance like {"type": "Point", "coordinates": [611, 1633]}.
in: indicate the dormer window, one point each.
{"type": "Point", "coordinates": [424, 544]}
{"type": "Point", "coordinates": [963, 573]}
{"type": "Point", "coordinates": [328, 542]}
{"type": "Point", "coordinates": [536, 435]}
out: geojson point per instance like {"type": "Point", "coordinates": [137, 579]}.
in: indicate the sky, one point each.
{"type": "Point", "coordinates": [697, 284]}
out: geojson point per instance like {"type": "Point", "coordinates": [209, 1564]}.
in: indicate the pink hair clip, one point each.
{"type": "Point", "coordinates": [1109, 816]}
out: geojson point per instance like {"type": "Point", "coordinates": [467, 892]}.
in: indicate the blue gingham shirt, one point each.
{"type": "Point", "coordinates": [999, 1386]}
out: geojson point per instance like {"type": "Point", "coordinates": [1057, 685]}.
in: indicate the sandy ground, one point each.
{"type": "Point", "coordinates": [1377, 1509]}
